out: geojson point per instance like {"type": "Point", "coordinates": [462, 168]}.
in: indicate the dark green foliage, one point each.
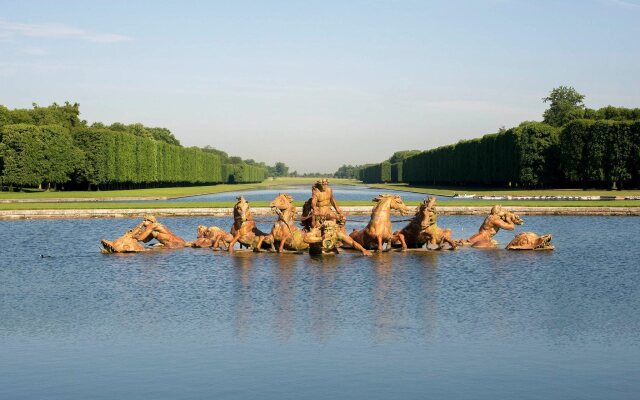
{"type": "Point", "coordinates": [33, 155]}
{"type": "Point", "coordinates": [50, 145]}
{"type": "Point", "coordinates": [385, 171]}
{"type": "Point", "coordinates": [61, 157]}
{"type": "Point", "coordinates": [280, 169]}
{"type": "Point", "coordinates": [348, 172]}
{"type": "Point", "coordinates": [490, 160]}
{"type": "Point", "coordinates": [396, 172]}
{"type": "Point", "coordinates": [121, 159]}
{"type": "Point", "coordinates": [400, 156]}
{"type": "Point", "coordinates": [99, 147]}
{"type": "Point", "coordinates": [67, 115]}
{"type": "Point", "coordinates": [565, 105]}
{"type": "Point", "coordinates": [633, 165]}
{"type": "Point", "coordinates": [376, 173]}
{"type": "Point", "coordinates": [22, 152]}
{"type": "Point", "coordinates": [536, 145]}
{"type": "Point", "coordinates": [243, 173]}
{"type": "Point", "coordinates": [600, 153]}
{"type": "Point", "coordinates": [524, 155]}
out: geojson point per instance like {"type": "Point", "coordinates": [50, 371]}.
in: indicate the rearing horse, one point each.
{"type": "Point", "coordinates": [244, 229]}
{"type": "Point", "coordinates": [378, 231]}
{"type": "Point", "coordinates": [284, 232]}
{"type": "Point", "coordinates": [423, 229]}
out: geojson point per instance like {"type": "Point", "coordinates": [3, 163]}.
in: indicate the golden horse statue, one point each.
{"type": "Point", "coordinates": [285, 234]}
{"type": "Point", "coordinates": [496, 220]}
{"type": "Point", "coordinates": [244, 229]}
{"type": "Point", "coordinates": [423, 229]}
{"type": "Point", "coordinates": [379, 231]}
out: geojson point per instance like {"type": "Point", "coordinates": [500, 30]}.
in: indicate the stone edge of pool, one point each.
{"type": "Point", "coordinates": [266, 211]}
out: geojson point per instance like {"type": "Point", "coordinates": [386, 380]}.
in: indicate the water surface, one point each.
{"type": "Point", "coordinates": [303, 192]}
{"type": "Point", "coordinates": [193, 324]}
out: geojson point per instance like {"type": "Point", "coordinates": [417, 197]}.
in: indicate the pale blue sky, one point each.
{"type": "Point", "coordinates": [267, 80]}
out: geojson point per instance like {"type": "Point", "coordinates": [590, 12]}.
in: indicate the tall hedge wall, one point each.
{"type": "Point", "coordinates": [600, 152]}
{"type": "Point", "coordinates": [376, 173]}
{"type": "Point", "coordinates": [603, 153]}
{"type": "Point", "coordinates": [242, 173]}
{"type": "Point", "coordinates": [113, 158]}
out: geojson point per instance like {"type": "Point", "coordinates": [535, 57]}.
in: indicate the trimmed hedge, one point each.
{"type": "Point", "coordinates": [116, 159]}
{"type": "Point", "coordinates": [600, 152]}
{"type": "Point", "coordinates": [604, 153]}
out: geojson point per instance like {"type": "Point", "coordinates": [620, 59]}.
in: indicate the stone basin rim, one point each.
{"type": "Point", "coordinates": [266, 211]}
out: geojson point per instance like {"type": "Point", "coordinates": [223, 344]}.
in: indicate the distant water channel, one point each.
{"type": "Point", "coordinates": [302, 193]}
{"type": "Point", "coordinates": [194, 324]}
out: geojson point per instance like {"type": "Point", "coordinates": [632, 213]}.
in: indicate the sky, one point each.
{"type": "Point", "coordinates": [318, 84]}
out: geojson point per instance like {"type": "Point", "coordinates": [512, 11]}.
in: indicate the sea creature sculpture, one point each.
{"type": "Point", "coordinates": [423, 229]}
{"type": "Point", "coordinates": [530, 241]}
{"type": "Point", "coordinates": [286, 235]}
{"type": "Point", "coordinates": [124, 244]}
{"type": "Point", "coordinates": [146, 231]}
{"type": "Point", "coordinates": [151, 229]}
{"type": "Point", "coordinates": [208, 236]}
{"type": "Point", "coordinates": [378, 230]}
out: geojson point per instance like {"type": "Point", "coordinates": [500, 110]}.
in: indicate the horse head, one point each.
{"type": "Point", "coordinates": [282, 202]}
{"type": "Point", "coordinates": [241, 212]}
{"type": "Point", "coordinates": [424, 210]}
{"type": "Point", "coordinates": [394, 202]}
{"type": "Point", "coordinates": [398, 204]}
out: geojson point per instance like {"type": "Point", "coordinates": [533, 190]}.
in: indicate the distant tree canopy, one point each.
{"type": "Point", "coordinates": [347, 172]}
{"type": "Point", "coordinates": [49, 146]}
{"type": "Point", "coordinates": [565, 104]}
{"type": "Point", "coordinates": [573, 146]}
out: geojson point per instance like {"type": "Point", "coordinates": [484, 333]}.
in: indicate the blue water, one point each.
{"type": "Point", "coordinates": [194, 324]}
{"type": "Point", "coordinates": [302, 193]}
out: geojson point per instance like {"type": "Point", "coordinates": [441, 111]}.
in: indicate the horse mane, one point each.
{"type": "Point", "coordinates": [381, 197]}
{"type": "Point", "coordinates": [287, 196]}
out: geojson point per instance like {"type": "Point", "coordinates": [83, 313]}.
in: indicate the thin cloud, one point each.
{"type": "Point", "coordinates": [625, 4]}
{"type": "Point", "coordinates": [57, 31]}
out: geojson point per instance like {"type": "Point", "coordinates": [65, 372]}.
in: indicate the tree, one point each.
{"type": "Point", "coordinates": [348, 171]}
{"type": "Point", "coordinates": [399, 156]}
{"type": "Point", "coordinates": [23, 152]}
{"type": "Point", "coordinates": [566, 104]}
{"type": "Point", "coordinates": [61, 157]}
{"type": "Point", "coordinates": [281, 169]}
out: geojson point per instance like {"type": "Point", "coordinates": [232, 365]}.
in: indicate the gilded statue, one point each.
{"type": "Point", "coordinates": [378, 231]}
{"type": "Point", "coordinates": [423, 229]}
{"type": "Point", "coordinates": [328, 238]}
{"type": "Point", "coordinates": [496, 220]}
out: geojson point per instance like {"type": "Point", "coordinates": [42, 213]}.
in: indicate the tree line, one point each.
{"type": "Point", "coordinates": [573, 146]}
{"type": "Point", "coordinates": [51, 147]}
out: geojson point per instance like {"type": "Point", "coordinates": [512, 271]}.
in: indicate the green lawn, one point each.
{"type": "Point", "coordinates": [169, 192]}
{"type": "Point", "coordinates": [199, 190]}
{"type": "Point", "coordinates": [450, 191]}
{"type": "Point", "coordinates": [155, 205]}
